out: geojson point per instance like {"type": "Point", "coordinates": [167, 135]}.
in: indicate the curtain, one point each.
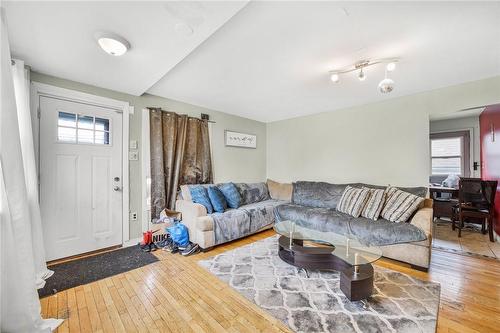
{"type": "Point", "coordinates": [180, 154]}
{"type": "Point", "coordinates": [22, 263]}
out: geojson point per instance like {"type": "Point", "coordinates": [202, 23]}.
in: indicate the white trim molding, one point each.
{"type": "Point", "coordinates": [146, 170]}
{"type": "Point", "coordinates": [41, 89]}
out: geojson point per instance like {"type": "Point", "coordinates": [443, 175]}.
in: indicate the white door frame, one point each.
{"type": "Point", "coordinates": [40, 89]}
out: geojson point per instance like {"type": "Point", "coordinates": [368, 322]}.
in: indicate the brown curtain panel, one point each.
{"type": "Point", "coordinates": [180, 154]}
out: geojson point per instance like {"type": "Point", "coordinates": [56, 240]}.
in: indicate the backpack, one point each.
{"type": "Point", "coordinates": [179, 234]}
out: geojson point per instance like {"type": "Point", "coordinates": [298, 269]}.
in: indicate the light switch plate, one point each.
{"type": "Point", "coordinates": [133, 144]}
{"type": "Point", "coordinates": [133, 155]}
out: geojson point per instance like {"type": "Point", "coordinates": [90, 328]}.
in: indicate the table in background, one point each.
{"type": "Point", "coordinates": [443, 206]}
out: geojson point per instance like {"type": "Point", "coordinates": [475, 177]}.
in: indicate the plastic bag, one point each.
{"type": "Point", "coordinates": [179, 234]}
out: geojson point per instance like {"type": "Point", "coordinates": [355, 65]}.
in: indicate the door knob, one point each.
{"type": "Point", "coordinates": [116, 179]}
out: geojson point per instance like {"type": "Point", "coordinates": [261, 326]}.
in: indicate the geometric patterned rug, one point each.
{"type": "Point", "coordinates": [399, 303]}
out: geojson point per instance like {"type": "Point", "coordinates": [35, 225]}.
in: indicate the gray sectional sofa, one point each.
{"type": "Point", "coordinates": [312, 204]}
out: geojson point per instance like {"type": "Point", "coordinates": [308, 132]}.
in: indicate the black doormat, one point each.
{"type": "Point", "coordinates": [82, 271]}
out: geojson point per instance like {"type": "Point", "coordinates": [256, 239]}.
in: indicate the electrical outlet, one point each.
{"type": "Point", "coordinates": [133, 155]}
{"type": "Point", "coordinates": [133, 216]}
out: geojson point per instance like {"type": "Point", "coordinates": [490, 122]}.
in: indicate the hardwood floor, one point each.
{"type": "Point", "coordinates": [176, 295]}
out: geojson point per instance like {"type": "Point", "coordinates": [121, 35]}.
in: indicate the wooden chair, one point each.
{"type": "Point", "coordinates": [476, 199]}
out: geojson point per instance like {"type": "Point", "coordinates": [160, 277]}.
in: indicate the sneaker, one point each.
{"type": "Point", "coordinates": [172, 248]}
{"type": "Point", "coordinates": [183, 247]}
{"type": "Point", "coordinates": [191, 249]}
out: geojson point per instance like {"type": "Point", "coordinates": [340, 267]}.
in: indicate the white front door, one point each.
{"type": "Point", "coordinates": [80, 177]}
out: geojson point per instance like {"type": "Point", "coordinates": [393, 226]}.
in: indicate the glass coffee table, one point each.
{"type": "Point", "coordinates": [312, 249]}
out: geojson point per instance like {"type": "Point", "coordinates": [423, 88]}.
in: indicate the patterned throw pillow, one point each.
{"type": "Point", "coordinates": [199, 194]}
{"type": "Point", "coordinates": [400, 205]}
{"type": "Point", "coordinates": [374, 204]}
{"type": "Point", "coordinates": [231, 193]}
{"type": "Point", "coordinates": [353, 200]}
{"type": "Point", "coordinates": [217, 199]}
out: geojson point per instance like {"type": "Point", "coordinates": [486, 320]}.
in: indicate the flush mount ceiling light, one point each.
{"type": "Point", "coordinates": [112, 44]}
{"type": "Point", "coordinates": [385, 86]}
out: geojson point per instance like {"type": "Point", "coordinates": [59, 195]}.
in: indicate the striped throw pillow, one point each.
{"type": "Point", "coordinates": [374, 203]}
{"type": "Point", "coordinates": [400, 205]}
{"type": "Point", "coordinates": [353, 200]}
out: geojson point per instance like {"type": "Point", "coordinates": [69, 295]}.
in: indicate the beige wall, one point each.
{"type": "Point", "coordinates": [466, 123]}
{"type": "Point", "coordinates": [230, 164]}
{"type": "Point", "coordinates": [381, 143]}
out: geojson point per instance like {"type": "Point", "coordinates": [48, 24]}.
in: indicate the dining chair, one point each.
{"type": "Point", "coordinates": [476, 200]}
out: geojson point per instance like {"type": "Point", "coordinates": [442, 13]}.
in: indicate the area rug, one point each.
{"type": "Point", "coordinates": [400, 303]}
{"type": "Point", "coordinates": [82, 271]}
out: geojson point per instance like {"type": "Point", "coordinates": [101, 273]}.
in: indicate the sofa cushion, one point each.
{"type": "Point", "coordinates": [232, 224]}
{"type": "Point", "coordinates": [317, 218]}
{"type": "Point", "coordinates": [380, 232]}
{"type": "Point", "coordinates": [280, 191]}
{"type": "Point", "coordinates": [374, 204]}
{"type": "Point", "coordinates": [199, 195]}
{"type": "Point", "coordinates": [231, 193]}
{"type": "Point", "coordinates": [353, 200]}
{"type": "Point", "coordinates": [261, 213]}
{"type": "Point", "coordinates": [400, 205]}
{"type": "Point", "coordinates": [317, 194]}
{"type": "Point", "coordinates": [217, 199]}
{"type": "Point", "coordinates": [252, 192]}
{"type": "Point", "coordinates": [383, 232]}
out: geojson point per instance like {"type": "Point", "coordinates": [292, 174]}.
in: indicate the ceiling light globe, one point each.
{"type": "Point", "coordinates": [334, 77]}
{"type": "Point", "coordinates": [391, 66]}
{"type": "Point", "coordinates": [361, 75]}
{"type": "Point", "coordinates": [386, 86]}
{"type": "Point", "coordinates": [113, 44]}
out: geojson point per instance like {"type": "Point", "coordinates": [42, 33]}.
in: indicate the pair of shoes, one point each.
{"type": "Point", "coordinates": [192, 248]}
{"type": "Point", "coordinates": [172, 248]}
{"type": "Point", "coordinates": [148, 247]}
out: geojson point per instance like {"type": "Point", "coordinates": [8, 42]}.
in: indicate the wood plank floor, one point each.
{"type": "Point", "coordinates": [176, 295]}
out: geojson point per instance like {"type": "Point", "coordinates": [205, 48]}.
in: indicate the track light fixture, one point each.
{"type": "Point", "coordinates": [385, 86]}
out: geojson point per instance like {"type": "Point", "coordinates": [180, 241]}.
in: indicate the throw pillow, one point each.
{"type": "Point", "coordinates": [217, 199]}
{"type": "Point", "coordinates": [199, 194]}
{"type": "Point", "coordinates": [280, 191]}
{"type": "Point", "coordinates": [400, 205]}
{"type": "Point", "coordinates": [353, 200]}
{"type": "Point", "coordinates": [231, 193]}
{"type": "Point", "coordinates": [374, 203]}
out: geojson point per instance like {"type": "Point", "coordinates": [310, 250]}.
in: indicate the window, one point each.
{"type": "Point", "coordinates": [450, 154]}
{"type": "Point", "coordinates": [73, 128]}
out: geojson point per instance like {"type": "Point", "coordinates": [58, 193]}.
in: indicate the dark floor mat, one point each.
{"type": "Point", "coordinates": [81, 271]}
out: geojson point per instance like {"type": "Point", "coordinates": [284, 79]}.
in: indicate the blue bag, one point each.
{"type": "Point", "coordinates": [179, 234]}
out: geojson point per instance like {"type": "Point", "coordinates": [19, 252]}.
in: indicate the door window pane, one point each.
{"type": "Point", "coordinates": [102, 138]}
{"type": "Point", "coordinates": [66, 134]}
{"type": "Point", "coordinates": [85, 136]}
{"type": "Point", "coordinates": [66, 119]}
{"type": "Point", "coordinates": [86, 122]}
{"type": "Point", "coordinates": [101, 124]}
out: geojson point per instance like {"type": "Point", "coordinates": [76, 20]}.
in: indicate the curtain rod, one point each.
{"type": "Point", "coordinates": [154, 108]}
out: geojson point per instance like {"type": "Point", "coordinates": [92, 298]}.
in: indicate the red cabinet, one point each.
{"type": "Point", "coordinates": [489, 124]}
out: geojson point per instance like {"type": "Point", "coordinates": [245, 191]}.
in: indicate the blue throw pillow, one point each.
{"type": "Point", "coordinates": [199, 195]}
{"type": "Point", "coordinates": [217, 199]}
{"type": "Point", "coordinates": [231, 193]}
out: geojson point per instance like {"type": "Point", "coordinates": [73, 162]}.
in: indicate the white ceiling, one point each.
{"type": "Point", "coordinates": [267, 61]}
{"type": "Point", "coordinates": [58, 38]}
{"type": "Point", "coordinates": [271, 60]}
